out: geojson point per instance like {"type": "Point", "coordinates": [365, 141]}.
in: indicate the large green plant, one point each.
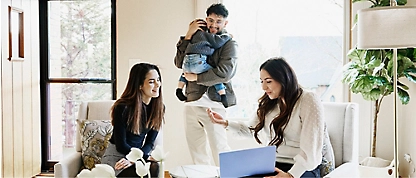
{"type": "Point", "coordinates": [370, 73]}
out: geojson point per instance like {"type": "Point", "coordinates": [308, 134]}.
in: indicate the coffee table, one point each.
{"type": "Point", "coordinates": [187, 171]}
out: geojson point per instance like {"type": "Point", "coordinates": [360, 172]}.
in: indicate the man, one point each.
{"type": "Point", "coordinates": [200, 92]}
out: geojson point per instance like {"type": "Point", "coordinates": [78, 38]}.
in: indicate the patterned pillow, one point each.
{"type": "Point", "coordinates": [328, 159]}
{"type": "Point", "coordinates": [94, 140]}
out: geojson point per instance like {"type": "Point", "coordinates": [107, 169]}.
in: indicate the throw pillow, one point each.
{"type": "Point", "coordinates": [94, 140]}
{"type": "Point", "coordinates": [328, 159]}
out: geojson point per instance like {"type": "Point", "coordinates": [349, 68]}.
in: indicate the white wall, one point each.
{"type": "Point", "coordinates": [148, 30]}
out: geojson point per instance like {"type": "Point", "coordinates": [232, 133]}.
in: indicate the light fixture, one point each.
{"type": "Point", "coordinates": [391, 27]}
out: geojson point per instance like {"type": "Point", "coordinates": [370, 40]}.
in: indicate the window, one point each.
{"type": "Point", "coordinates": [307, 33]}
{"type": "Point", "coordinates": [77, 64]}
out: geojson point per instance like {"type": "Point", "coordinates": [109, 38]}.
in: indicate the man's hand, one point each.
{"type": "Point", "coordinates": [194, 26]}
{"type": "Point", "coordinates": [190, 76]}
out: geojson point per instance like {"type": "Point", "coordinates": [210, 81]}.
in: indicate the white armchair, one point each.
{"type": "Point", "coordinates": [89, 110]}
{"type": "Point", "coordinates": [342, 125]}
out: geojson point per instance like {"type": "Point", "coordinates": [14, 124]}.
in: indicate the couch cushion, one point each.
{"type": "Point", "coordinates": [335, 117]}
{"type": "Point", "coordinates": [93, 110]}
{"type": "Point", "coordinates": [94, 140]}
{"type": "Point", "coordinates": [328, 159]}
{"type": "Point", "coordinates": [99, 110]}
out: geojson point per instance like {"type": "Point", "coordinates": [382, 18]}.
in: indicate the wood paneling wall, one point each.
{"type": "Point", "coordinates": [20, 102]}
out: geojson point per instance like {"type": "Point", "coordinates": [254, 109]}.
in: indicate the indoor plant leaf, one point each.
{"type": "Point", "coordinates": [363, 84]}
{"type": "Point", "coordinates": [373, 95]}
{"type": "Point", "coordinates": [408, 74]}
{"type": "Point", "coordinates": [356, 55]}
{"type": "Point", "coordinates": [403, 96]}
{"type": "Point", "coordinates": [349, 73]}
{"type": "Point", "coordinates": [380, 81]}
{"type": "Point", "coordinates": [403, 86]}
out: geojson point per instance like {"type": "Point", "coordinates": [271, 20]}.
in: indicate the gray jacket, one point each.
{"type": "Point", "coordinates": [206, 43]}
{"type": "Point", "coordinates": [223, 61]}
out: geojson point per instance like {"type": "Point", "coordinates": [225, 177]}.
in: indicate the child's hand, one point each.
{"type": "Point", "coordinates": [194, 26]}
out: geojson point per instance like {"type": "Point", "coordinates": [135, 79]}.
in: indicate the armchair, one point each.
{"type": "Point", "coordinates": [89, 110]}
{"type": "Point", "coordinates": [342, 125]}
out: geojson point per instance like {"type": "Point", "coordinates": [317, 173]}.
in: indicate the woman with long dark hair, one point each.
{"type": "Point", "coordinates": [287, 116]}
{"type": "Point", "coordinates": [137, 117]}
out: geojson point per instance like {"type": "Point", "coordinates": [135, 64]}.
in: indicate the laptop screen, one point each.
{"type": "Point", "coordinates": [248, 162]}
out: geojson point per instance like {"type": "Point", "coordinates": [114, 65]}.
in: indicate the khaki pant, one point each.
{"type": "Point", "coordinates": [200, 130]}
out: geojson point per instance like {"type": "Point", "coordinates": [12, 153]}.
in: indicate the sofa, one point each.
{"type": "Point", "coordinates": [88, 111]}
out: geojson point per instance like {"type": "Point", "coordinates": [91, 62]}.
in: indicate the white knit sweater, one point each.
{"type": "Point", "coordinates": [303, 136]}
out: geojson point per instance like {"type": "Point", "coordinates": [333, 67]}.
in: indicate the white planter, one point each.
{"type": "Point", "coordinates": [376, 167]}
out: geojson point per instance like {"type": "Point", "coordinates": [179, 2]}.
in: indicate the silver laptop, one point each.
{"type": "Point", "coordinates": [248, 162]}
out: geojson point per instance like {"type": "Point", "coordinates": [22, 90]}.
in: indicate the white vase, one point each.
{"type": "Point", "coordinates": [161, 170]}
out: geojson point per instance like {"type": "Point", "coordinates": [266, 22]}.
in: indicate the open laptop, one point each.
{"type": "Point", "coordinates": [248, 162]}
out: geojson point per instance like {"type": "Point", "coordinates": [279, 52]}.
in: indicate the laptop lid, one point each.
{"type": "Point", "coordinates": [247, 162]}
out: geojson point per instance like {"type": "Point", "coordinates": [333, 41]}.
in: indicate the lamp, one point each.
{"type": "Point", "coordinates": [388, 28]}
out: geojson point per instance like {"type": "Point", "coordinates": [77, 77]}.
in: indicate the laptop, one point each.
{"type": "Point", "coordinates": [256, 162]}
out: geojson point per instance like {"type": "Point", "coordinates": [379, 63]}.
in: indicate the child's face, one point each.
{"type": "Point", "coordinates": [216, 23]}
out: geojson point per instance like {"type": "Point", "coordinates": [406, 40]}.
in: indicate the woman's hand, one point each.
{"type": "Point", "coordinates": [194, 26]}
{"type": "Point", "coordinates": [122, 164]}
{"type": "Point", "coordinates": [280, 173]}
{"type": "Point", "coordinates": [216, 118]}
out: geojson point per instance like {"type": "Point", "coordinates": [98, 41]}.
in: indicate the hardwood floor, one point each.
{"type": "Point", "coordinates": [44, 175]}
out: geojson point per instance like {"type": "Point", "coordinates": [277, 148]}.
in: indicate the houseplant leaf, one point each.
{"type": "Point", "coordinates": [363, 84]}
{"type": "Point", "coordinates": [403, 96]}
{"type": "Point", "coordinates": [410, 74]}
{"type": "Point", "coordinates": [373, 95]}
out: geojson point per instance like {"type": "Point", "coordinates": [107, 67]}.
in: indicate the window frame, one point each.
{"type": "Point", "coordinates": [45, 81]}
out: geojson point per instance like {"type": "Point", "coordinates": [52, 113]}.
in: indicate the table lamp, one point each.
{"type": "Point", "coordinates": [391, 27]}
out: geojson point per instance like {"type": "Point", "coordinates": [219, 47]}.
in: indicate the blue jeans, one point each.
{"type": "Point", "coordinates": [285, 167]}
{"type": "Point", "coordinates": [197, 63]}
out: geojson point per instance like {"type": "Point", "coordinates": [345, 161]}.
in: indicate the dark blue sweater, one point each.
{"type": "Point", "coordinates": [124, 139]}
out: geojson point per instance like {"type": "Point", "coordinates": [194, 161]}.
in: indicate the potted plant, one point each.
{"type": "Point", "coordinates": [370, 73]}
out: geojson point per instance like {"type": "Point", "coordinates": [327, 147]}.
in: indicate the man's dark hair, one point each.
{"type": "Point", "coordinates": [218, 9]}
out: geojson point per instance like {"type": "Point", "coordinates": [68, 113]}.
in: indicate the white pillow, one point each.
{"type": "Point", "coordinates": [328, 159]}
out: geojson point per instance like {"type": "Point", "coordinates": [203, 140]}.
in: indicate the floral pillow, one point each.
{"type": "Point", "coordinates": [94, 140]}
{"type": "Point", "coordinates": [328, 159]}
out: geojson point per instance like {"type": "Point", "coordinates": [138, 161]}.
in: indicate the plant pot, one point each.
{"type": "Point", "coordinates": [376, 167]}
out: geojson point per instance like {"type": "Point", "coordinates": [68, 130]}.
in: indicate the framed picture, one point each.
{"type": "Point", "coordinates": [16, 35]}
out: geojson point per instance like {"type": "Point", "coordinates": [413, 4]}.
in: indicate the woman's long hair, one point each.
{"type": "Point", "coordinates": [132, 98]}
{"type": "Point", "coordinates": [281, 72]}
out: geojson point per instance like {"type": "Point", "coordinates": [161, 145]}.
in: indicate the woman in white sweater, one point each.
{"type": "Point", "coordinates": [287, 116]}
